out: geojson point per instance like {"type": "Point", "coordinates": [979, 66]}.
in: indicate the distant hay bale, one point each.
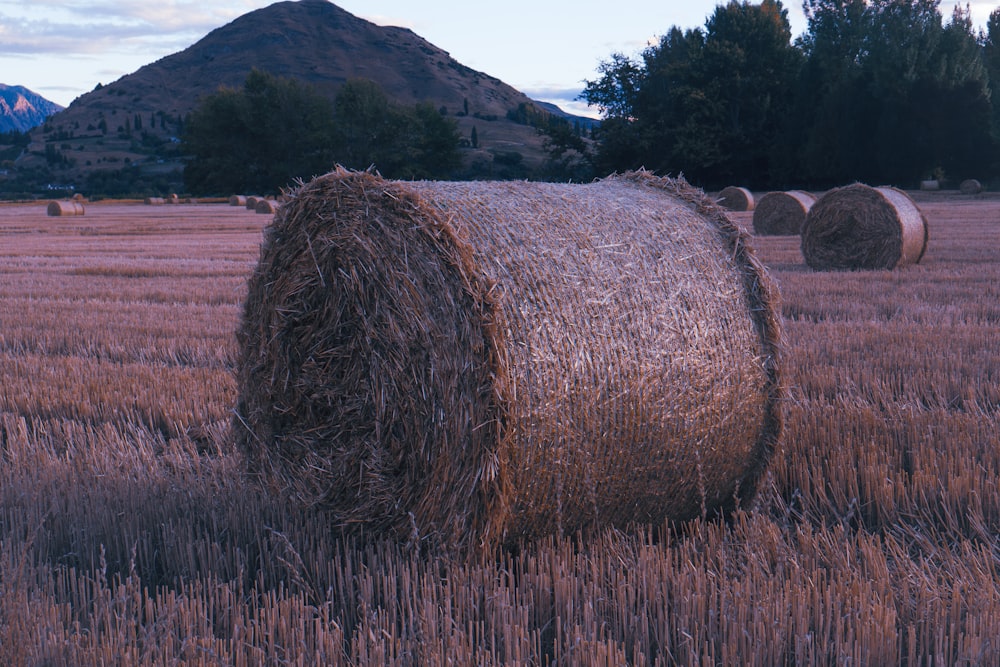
{"type": "Point", "coordinates": [860, 227]}
{"type": "Point", "coordinates": [155, 201]}
{"type": "Point", "coordinates": [470, 364]}
{"type": "Point", "coordinates": [238, 200]}
{"type": "Point", "coordinates": [930, 185]}
{"type": "Point", "coordinates": [59, 208]}
{"type": "Point", "coordinates": [267, 206]}
{"type": "Point", "coordinates": [736, 199]}
{"type": "Point", "coordinates": [78, 197]}
{"type": "Point", "coordinates": [781, 213]}
{"type": "Point", "coordinates": [172, 199]}
{"type": "Point", "coordinates": [252, 202]}
{"type": "Point", "coordinates": [970, 186]}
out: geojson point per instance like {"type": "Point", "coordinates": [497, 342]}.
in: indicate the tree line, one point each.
{"type": "Point", "coordinates": [880, 91]}
{"type": "Point", "coordinates": [274, 130]}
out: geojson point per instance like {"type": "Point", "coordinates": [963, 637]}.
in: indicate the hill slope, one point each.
{"type": "Point", "coordinates": [136, 120]}
{"type": "Point", "coordinates": [22, 109]}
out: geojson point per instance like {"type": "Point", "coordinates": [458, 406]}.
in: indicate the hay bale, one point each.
{"type": "Point", "coordinates": [860, 227]}
{"type": "Point", "coordinates": [57, 208]}
{"type": "Point", "coordinates": [471, 364]}
{"type": "Point", "coordinates": [736, 199]}
{"type": "Point", "coordinates": [267, 206]}
{"type": "Point", "coordinates": [172, 199]}
{"type": "Point", "coordinates": [252, 202]}
{"type": "Point", "coordinates": [79, 197]}
{"type": "Point", "coordinates": [782, 213]}
{"type": "Point", "coordinates": [154, 201]}
{"type": "Point", "coordinates": [930, 185]}
{"type": "Point", "coordinates": [970, 186]}
{"type": "Point", "coordinates": [237, 200]}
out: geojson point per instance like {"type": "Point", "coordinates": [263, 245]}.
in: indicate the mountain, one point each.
{"type": "Point", "coordinates": [136, 120]}
{"type": "Point", "coordinates": [22, 109]}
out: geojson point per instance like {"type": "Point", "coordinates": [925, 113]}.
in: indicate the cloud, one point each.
{"type": "Point", "coordinates": [72, 27]}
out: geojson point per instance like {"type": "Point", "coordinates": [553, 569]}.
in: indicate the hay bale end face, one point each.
{"type": "Point", "coordinates": [252, 202]}
{"type": "Point", "coordinates": [467, 365]}
{"type": "Point", "coordinates": [782, 213]}
{"type": "Point", "coordinates": [860, 227]}
{"type": "Point", "coordinates": [237, 200]}
{"type": "Point", "coordinates": [57, 208]}
{"type": "Point", "coordinates": [736, 199]}
{"type": "Point", "coordinates": [268, 206]}
{"type": "Point", "coordinates": [970, 186]}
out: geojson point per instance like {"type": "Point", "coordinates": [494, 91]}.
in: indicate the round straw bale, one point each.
{"type": "Point", "coordinates": [930, 184]}
{"type": "Point", "coordinates": [59, 208]}
{"type": "Point", "coordinates": [860, 227]}
{"type": "Point", "coordinates": [970, 186]}
{"type": "Point", "coordinates": [252, 202]}
{"type": "Point", "coordinates": [155, 201]}
{"type": "Point", "coordinates": [267, 206]}
{"type": "Point", "coordinates": [467, 365]}
{"type": "Point", "coordinates": [781, 213]}
{"type": "Point", "coordinates": [736, 199]}
{"type": "Point", "coordinates": [237, 200]}
{"type": "Point", "coordinates": [172, 199]}
{"type": "Point", "coordinates": [79, 197]}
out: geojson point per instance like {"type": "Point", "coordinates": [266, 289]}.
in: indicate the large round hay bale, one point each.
{"type": "Point", "coordinates": [267, 206]}
{"type": "Point", "coordinates": [861, 227]}
{"type": "Point", "coordinates": [471, 364]}
{"type": "Point", "coordinates": [970, 186]}
{"type": "Point", "coordinates": [736, 199]}
{"type": "Point", "coordinates": [782, 213]}
{"type": "Point", "coordinates": [252, 202]}
{"type": "Point", "coordinates": [238, 200]}
{"type": "Point", "coordinates": [59, 208]}
{"type": "Point", "coordinates": [154, 201]}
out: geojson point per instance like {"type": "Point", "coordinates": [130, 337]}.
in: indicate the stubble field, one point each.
{"type": "Point", "coordinates": [130, 535]}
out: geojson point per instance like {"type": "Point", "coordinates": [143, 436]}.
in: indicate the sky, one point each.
{"type": "Point", "coordinates": [547, 49]}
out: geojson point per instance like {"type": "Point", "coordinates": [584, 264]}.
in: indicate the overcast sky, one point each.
{"type": "Point", "coordinates": [546, 48]}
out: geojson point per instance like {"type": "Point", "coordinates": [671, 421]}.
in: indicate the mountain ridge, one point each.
{"type": "Point", "coordinates": [22, 109]}
{"type": "Point", "coordinates": [314, 41]}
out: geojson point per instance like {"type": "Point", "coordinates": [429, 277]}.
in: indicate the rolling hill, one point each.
{"type": "Point", "coordinates": [136, 120]}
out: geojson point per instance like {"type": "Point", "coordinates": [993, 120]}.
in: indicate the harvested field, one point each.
{"type": "Point", "coordinates": [129, 533]}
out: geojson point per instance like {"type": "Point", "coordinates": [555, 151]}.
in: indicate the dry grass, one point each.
{"type": "Point", "coordinates": [875, 539]}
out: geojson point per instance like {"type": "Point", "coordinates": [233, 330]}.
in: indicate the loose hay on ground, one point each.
{"type": "Point", "coordinates": [782, 213]}
{"type": "Point", "coordinates": [861, 227]}
{"type": "Point", "coordinates": [471, 364]}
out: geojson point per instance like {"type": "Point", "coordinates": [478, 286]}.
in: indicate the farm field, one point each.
{"type": "Point", "coordinates": [130, 535]}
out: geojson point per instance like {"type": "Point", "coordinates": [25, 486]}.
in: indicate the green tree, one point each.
{"type": "Point", "coordinates": [401, 142]}
{"type": "Point", "coordinates": [708, 102]}
{"type": "Point", "coordinates": [259, 138]}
